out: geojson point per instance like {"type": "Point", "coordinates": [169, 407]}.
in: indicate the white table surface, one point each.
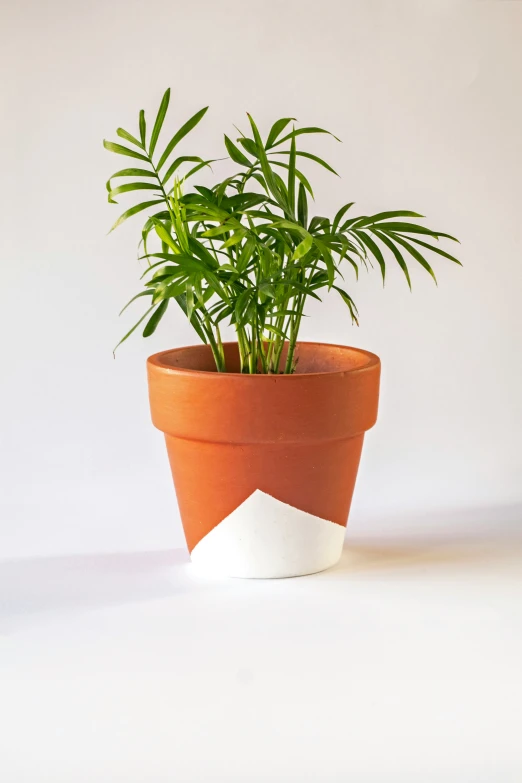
{"type": "Point", "coordinates": [402, 664]}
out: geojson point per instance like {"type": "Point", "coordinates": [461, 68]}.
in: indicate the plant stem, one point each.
{"type": "Point", "coordinates": [296, 323]}
{"type": "Point", "coordinates": [216, 346]}
{"type": "Point", "coordinates": [164, 192]}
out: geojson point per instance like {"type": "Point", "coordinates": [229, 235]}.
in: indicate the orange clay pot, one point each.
{"type": "Point", "coordinates": [264, 466]}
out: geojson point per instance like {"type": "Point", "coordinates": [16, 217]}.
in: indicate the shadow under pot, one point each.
{"type": "Point", "coordinates": [264, 466]}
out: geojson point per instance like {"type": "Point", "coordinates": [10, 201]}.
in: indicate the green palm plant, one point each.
{"type": "Point", "coordinates": [246, 251]}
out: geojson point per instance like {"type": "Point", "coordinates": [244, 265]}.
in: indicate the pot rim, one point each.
{"type": "Point", "coordinates": [156, 361]}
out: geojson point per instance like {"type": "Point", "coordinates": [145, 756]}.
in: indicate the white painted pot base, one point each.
{"type": "Point", "coordinates": [264, 538]}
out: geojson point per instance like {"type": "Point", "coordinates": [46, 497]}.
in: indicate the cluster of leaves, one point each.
{"type": "Point", "coordinates": [246, 251]}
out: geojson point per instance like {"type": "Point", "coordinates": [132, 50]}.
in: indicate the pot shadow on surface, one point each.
{"type": "Point", "coordinates": [427, 542]}
{"type": "Point", "coordinates": [424, 545]}
{"type": "Point", "coordinates": [35, 586]}
{"type": "Point", "coordinates": [384, 555]}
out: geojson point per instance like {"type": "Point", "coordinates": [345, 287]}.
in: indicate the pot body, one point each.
{"type": "Point", "coordinates": [264, 466]}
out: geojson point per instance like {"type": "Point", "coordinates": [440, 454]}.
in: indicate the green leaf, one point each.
{"type": "Point", "coordinates": [235, 238]}
{"type": "Point", "coordinates": [169, 271]}
{"type": "Point", "coordinates": [155, 318]}
{"type": "Point", "coordinates": [346, 248]}
{"type": "Point", "coordinates": [274, 330]}
{"type": "Point", "coordinates": [267, 288]}
{"type": "Point", "coordinates": [205, 192]}
{"type": "Point", "coordinates": [308, 155]}
{"type": "Point", "coordinates": [396, 252]}
{"type": "Point", "coordinates": [177, 163]}
{"type": "Point", "coordinates": [375, 250]}
{"type": "Point", "coordinates": [380, 216]}
{"type": "Point", "coordinates": [339, 216]}
{"type": "Point", "coordinates": [123, 134]}
{"type": "Point", "coordinates": [291, 175]}
{"type": "Point", "coordinates": [277, 313]}
{"type": "Point", "coordinates": [327, 258]}
{"type": "Point", "coordinates": [250, 146]}
{"type": "Point", "coordinates": [228, 268]}
{"type": "Point", "coordinates": [133, 173]}
{"type": "Point", "coordinates": [319, 223]}
{"type": "Point", "coordinates": [276, 129]}
{"type": "Point", "coordinates": [244, 201]}
{"type": "Point", "coordinates": [236, 154]}
{"type": "Point", "coordinates": [284, 192]}
{"type": "Point", "coordinates": [196, 324]}
{"type": "Point", "coordinates": [303, 248]}
{"type": "Point", "coordinates": [180, 134]}
{"type": "Point", "coordinates": [299, 174]}
{"type": "Point", "coordinates": [149, 226]}
{"type": "Point", "coordinates": [143, 128]}
{"type": "Point", "coordinates": [112, 147]}
{"type": "Point", "coordinates": [141, 293]}
{"type": "Point", "coordinates": [302, 206]}
{"type": "Point", "coordinates": [180, 264]}
{"type": "Point", "coordinates": [290, 226]}
{"type": "Point", "coordinates": [164, 105]}
{"type": "Point", "coordinates": [303, 288]}
{"type": "Point", "coordinates": [131, 186]}
{"type": "Point", "coordinates": [416, 255]}
{"type": "Point", "coordinates": [168, 290]}
{"type": "Point", "coordinates": [189, 299]}
{"type": "Point", "coordinates": [219, 311]}
{"type": "Point", "coordinates": [217, 231]}
{"type": "Point", "coordinates": [199, 166]}
{"type": "Point", "coordinates": [166, 257]}
{"type": "Point", "coordinates": [435, 249]}
{"type": "Point", "coordinates": [134, 210]}
{"type": "Point", "coordinates": [347, 299]}
{"type": "Point", "coordinates": [411, 228]}
{"type": "Point", "coordinates": [242, 302]}
{"type": "Point", "coordinates": [300, 131]}
{"type": "Point", "coordinates": [165, 236]}
{"type": "Point", "coordinates": [247, 252]}
{"type": "Point", "coordinates": [263, 215]}
{"type": "Point", "coordinates": [203, 254]}
{"type": "Point", "coordinates": [268, 174]}
{"type": "Point", "coordinates": [133, 328]}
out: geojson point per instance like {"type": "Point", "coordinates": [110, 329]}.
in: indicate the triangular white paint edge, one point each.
{"type": "Point", "coordinates": [264, 538]}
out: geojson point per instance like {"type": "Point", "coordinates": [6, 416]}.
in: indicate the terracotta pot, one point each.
{"type": "Point", "coordinates": [264, 466]}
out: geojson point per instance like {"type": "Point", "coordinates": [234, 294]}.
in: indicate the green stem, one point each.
{"type": "Point", "coordinates": [294, 331]}
{"type": "Point", "coordinates": [164, 192]}
{"type": "Point", "coordinates": [217, 350]}
{"type": "Point", "coordinates": [262, 354]}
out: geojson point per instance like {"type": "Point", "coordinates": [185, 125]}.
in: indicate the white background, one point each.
{"type": "Point", "coordinates": [402, 664]}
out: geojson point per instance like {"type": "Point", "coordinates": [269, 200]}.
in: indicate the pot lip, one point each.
{"type": "Point", "coordinates": [156, 361]}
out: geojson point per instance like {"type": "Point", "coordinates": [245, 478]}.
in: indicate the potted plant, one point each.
{"type": "Point", "coordinates": [264, 434]}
